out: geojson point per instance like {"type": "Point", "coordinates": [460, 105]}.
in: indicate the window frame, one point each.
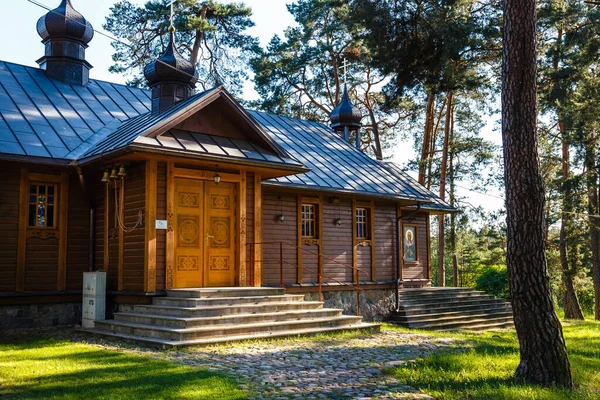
{"type": "Point", "coordinates": [366, 223]}
{"type": "Point", "coordinates": [55, 205]}
{"type": "Point", "coordinates": [314, 220]}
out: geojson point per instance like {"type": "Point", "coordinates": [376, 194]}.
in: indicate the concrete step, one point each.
{"type": "Point", "coordinates": [461, 325]}
{"type": "Point", "coordinates": [204, 332]}
{"type": "Point", "coordinates": [433, 290]}
{"type": "Point", "coordinates": [224, 292]}
{"type": "Point", "coordinates": [221, 310]}
{"type": "Point", "coordinates": [216, 301]}
{"type": "Point", "coordinates": [406, 311]}
{"type": "Point", "coordinates": [451, 303]}
{"type": "Point", "coordinates": [427, 300]}
{"type": "Point", "coordinates": [183, 323]}
{"type": "Point", "coordinates": [443, 315]}
{"type": "Point", "coordinates": [215, 340]}
{"type": "Point", "coordinates": [406, 294]}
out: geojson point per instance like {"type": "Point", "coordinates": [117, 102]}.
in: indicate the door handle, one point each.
{"type": "Point", "coordinates": [208, 237]}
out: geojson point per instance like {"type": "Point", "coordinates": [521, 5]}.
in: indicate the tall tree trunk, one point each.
{"type": "Point", "coordinates": [427, 136]}
{"type": "Point", "coordinates": [428, 176]}
{"type": "Point", "coordinates": [451, 177]}
{"type": "Point", "coordinates": [544, 357]}
{"type": "Point", "coordinates": [199, 37]}
{"type": "Point", "coordinates": [375, 126]}
{"type": "Point", "coordinates": [594, 220]}
{"type": "Point", "coordinates": [572, 307]}
{"type": "Point", "coordinates": [443, 171]}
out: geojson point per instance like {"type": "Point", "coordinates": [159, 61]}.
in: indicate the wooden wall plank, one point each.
{"type": "Point", "coordinates": [299, 237]}
{"type": "Point", "coordinates": [241, 208]}
{"type": "Point", "coordinates": [170, 257]}
{"type": "Point", "coordinates": [150, 227]}
{"type": "Point", "coordinates": [63, 229]}
{"type": "Point", "coordinates": [22, 234]}
{"type": "Point", "coordinates": [372, 222]}
{"type": "Point", "coordinates": [105, 259]}
{"type": "Point", "coordinates": [121, 260]}
{"type": "Point", "coordinates": [258, 229]}
{"type": "Point", "coordinates": [398, 244]}
{"type": "Point", "coordinates": [428, 252]}
{"type": "Point", "coordinates": [354, 243]}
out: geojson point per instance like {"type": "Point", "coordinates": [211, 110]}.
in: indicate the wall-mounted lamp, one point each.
{"type": "Point", "coordinates": [121, 173]}
{"type": "Point", "coordinates": [105, 177]}
{"type": "Point", "coordinates": [217, 178]}
{"type": "Point", "coordinates": [338, 221]}
{"type": "Point", "coordinates": [281, 217]}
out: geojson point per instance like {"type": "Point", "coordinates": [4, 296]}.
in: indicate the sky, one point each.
{"type": "Point", "coordinates": [21, 44]}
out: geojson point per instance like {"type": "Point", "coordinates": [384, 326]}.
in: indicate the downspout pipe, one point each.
{"type": "Point", "coordinates": [92, 221]}
{"type": "Point", "coordinates": [398, 244]}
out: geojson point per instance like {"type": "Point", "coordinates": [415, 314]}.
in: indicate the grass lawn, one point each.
{"type": "Point", "coordinates": [486, 370]}
{"type": "Point", "coordinates": [53, 369]}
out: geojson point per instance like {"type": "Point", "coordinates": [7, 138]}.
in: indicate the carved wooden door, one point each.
{"type": "Point", "coordinates": [219, 221]}
{"type": "Point", "coordinates": [189, 233]}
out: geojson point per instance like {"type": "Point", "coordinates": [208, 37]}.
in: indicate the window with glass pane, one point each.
{"type": "Point", "coordinates": [308, 220]}
{"type": "Point", "coordinates": [42, 205]}
{"type": "Point", "coordinates": [362, 223]}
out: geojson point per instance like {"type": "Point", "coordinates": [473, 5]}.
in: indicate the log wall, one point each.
{"type": "Point", "coordinates": [337, 242]}
{"type": "Point", "coordinates": [40, 272]}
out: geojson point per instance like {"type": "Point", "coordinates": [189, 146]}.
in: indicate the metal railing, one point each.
{"type": "Point", "coordinates": [281, 261]}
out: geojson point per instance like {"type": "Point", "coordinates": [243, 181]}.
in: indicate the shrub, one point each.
{"type": "Point", "coordinates": [493, 280]}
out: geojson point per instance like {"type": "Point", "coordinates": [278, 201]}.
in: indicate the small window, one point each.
{"type": "Point", "coordinates": [42, 205]}
{"type": "Point", "coordinates": [309, 225]}
{"type": "Point", "coordinates": [362, 223]}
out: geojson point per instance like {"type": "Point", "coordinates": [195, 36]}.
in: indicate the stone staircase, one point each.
{"type": "Point", "coordinates": [192, 317]}
{"type": "Point", "coordinates": [451, 309]}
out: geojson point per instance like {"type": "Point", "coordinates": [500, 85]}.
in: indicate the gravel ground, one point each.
{"type": "Point", "coordinates": [299, 368]}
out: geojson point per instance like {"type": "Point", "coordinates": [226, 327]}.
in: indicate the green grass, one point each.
{"type": "Point", "coordinates": [485, 371]}
{"type": "Point", "coordinates": [52, 369]}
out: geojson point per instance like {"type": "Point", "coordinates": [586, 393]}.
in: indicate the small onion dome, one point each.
{"type": "Point", "coordinates": [65, 22]}
{"type": "Point", "coordinates": [177, 68]}
{"type": "Point", "coordinates": [345, 114]}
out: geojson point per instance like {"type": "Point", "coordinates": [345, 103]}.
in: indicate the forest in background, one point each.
{"type": "Point", "coordinates": [428, 72]}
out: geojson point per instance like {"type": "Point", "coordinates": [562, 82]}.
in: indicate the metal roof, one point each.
{"type": "Point", "coordinates": [42, 117]}
{"type": "Point", "coordinates": [335, 164]}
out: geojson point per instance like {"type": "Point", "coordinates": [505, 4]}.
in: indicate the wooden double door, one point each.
{"type": "Point", "coordinates": [204, 233]}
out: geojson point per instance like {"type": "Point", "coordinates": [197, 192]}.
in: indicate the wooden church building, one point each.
{"type": "Point", "coordinates": [170, 188]}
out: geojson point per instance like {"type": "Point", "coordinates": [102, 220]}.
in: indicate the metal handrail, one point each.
{"type": "Point", "coordinates": [355, 286]}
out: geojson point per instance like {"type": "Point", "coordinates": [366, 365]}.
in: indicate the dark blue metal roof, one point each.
{"type": "Point", "coordinates": [335, 164]}
{"type": "Point", "coordinates": [42, 117]}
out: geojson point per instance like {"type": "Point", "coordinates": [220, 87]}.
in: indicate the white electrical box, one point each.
{"type": "Point", "coordinates": [94, 298]}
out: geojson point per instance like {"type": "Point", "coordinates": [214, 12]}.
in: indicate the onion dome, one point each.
{"type": "Point", "coordinates": [65, 22]}
{"type": "Point", "coordinates": [170, 67]}
{"type": "Point", "coordinates": [345, 114]}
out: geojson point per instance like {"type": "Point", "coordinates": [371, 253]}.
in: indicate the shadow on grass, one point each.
{"type": "Point", "coordinates": [486, 370]}
{"type": "Point", "coordinates": [39, 369]}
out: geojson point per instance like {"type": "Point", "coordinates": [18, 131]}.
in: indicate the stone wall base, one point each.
{"type": "Point", "coordinates": [27, 316]}
{"type": "Point", "coordinates": [375, 304]}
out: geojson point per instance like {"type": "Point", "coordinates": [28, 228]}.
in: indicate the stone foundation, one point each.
{"type": "Point", "coordinates": [26, 316]}
{"type": "Point", "coordinates": [375, 304]}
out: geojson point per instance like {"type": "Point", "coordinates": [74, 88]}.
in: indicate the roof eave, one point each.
{"type": "Point", "coordinates": [35, 159]}
{"type": "Point", "coordinates": [412, 200]}
{"type": "Point", "coordinates": [132, 148]}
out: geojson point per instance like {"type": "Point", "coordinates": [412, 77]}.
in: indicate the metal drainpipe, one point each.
{"type": "Point", "coordinates": [398, 267]}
